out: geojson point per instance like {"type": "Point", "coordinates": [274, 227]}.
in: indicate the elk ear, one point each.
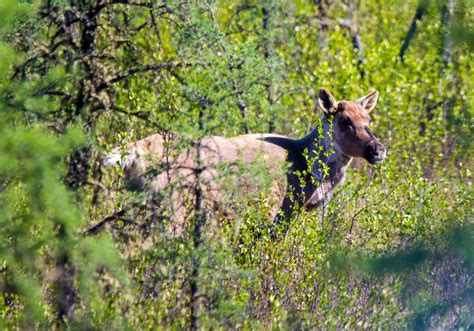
{"type": "Point", "coordinates": [369, 101]}
{"type": "Point", "coordinates": [327, 102]}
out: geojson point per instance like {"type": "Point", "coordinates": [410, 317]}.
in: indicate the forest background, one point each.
{"type": "Point", "coordinates": [82, 249]}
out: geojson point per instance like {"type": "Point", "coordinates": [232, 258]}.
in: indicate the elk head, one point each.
{"type": "Point", "coordinates": [351, 126]}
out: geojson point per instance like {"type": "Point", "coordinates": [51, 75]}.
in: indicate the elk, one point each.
{"type": "Point", "coordinates": [303, 172]}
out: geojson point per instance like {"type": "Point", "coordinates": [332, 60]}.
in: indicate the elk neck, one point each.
{"type": "Point", "coordinates": [321, 153]}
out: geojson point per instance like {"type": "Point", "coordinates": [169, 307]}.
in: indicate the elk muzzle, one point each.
{"type": "Point", "coordinates": [375, 152]}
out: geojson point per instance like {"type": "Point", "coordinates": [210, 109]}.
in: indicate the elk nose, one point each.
{"type": "Point", "coordinates": [375, 152]}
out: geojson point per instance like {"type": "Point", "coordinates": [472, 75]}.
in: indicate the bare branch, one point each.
{"type": "Point", "coordinates": [117, 216]}
{"type": "Point", "coordinates": [350, 24]}
{"type": "Point", "coordinates": [385, 197]}
{"type": "Point", "coordinates": [140, 69]}
{"type": "Point", "coordinates": [420, 11]}
{"type": "Point", "coordinates": [124, 2]}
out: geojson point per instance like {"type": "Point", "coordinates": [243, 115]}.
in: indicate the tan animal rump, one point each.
{"type": "Point", "coordinates": [230, 172]}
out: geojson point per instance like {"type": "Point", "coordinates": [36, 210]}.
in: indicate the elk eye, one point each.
{"type": "Point", "coordinates": [345, 122]}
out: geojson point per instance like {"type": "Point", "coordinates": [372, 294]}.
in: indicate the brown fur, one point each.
{"type": "Point", "coordinates": [223, 167]}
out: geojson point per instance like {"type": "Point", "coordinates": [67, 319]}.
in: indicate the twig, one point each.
{"type": "Point", "coordinates": [371, 205]}
{"type": "Point", "coordinates": [126, 2]}
{"type": "Point", "coordinates": [420, 11]}
{"type": "Point", "coordinates": [118, 215]}
{"type": "Point", "coordinates": [235, 86]}
{"type": "Point", "coordinates": [98, 226]}
{"type": "Point", "coordinates": [133, 71]}
{"type": "Point", "coordinates": [446, 22]}
{"type": "Point", "coordinates": [350, 23]}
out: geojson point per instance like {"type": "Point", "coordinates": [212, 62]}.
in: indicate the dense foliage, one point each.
{"type": "Point", "coordinates": [81, 248]}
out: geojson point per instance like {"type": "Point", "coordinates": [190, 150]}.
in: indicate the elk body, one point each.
{"type": "Point", "coordinates": [302, 172]}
